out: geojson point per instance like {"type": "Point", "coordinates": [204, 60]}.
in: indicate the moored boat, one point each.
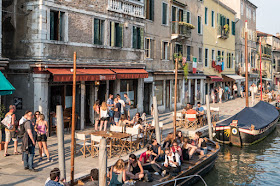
{"type": "Point", "coordinates": [249, 126]}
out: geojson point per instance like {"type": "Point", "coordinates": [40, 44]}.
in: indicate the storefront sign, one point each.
{"type": "Point", "coordinates": [102, 77]}
{"type": "Point", "coordinates": [194, 65]}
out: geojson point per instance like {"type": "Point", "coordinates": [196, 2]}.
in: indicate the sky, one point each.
{"type": "Point", "coordinates": [268, 14]}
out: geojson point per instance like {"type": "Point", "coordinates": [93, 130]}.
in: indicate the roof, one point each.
{"type": "Point", "coordinates": [225, 6]}
{"type": "Point", "coordinates": [251, 3]}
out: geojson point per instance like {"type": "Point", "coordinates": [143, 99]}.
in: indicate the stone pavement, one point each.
{"type": "Point", "coordinates": [12, 172]}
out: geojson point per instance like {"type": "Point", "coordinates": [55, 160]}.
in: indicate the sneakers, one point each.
{"type": "Point", "coordinates": [26, 168]}
{"type": "Point", "coordinates": [163, 173]}
{"type": "Point", "coordinates": [33, 170]}
{"type": "Point", "coordinates": [43, 154]}
{"type": "Point", "coordinates": [50, 160]}
{"type": "Point", "coordinates": [156, 173]}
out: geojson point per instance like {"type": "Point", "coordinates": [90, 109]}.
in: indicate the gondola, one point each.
{"type": "Point", "coordinates": [249, 126]}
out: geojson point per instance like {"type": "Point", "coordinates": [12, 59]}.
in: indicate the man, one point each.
{"type": "Point", "coordinates": [172, 163]}
{"type": "Point", "coordinates": [10, 134]}
{"type": "Point", "coordinates": [54, 178]}
{"type": "Point", "coordinates": [122, 103]}
{"type": "Point", "coordinates": [117, 111]}
{"type": "Point", "coordinates": [28, 143]}
{"type": "Point", "coordinates": [221, 91]}
{"type": "Point", "coordinates": [200, 112]}
{"type": "Point", "coordinates": [94, 178]}
{"type": "Point", "coordinates": [226, 92]}
{"type": "Point", "coordinates": [127, 106]}
{"type": "Point", "coordinates": [191, 111]}
{"type": "Point", "coordinates": [253, 89]}
{"type": "Point", "coordinates": [110, 105]}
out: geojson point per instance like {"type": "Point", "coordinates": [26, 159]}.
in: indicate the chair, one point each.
{"type": "Point", "coordinates": [134, 142]}
{"type": "Point", "coordinates": [179, 119]}
{"type": "Point", "coordinates": [191, 120]}
{"type": "Point", "coordinates": [215, 113]}
{"type": "Point", "coordinates": [85, 146]}
{"type": "Point", "coordinates": [95, 140]}
{"type": "Point", "coordinates": [116, 128]}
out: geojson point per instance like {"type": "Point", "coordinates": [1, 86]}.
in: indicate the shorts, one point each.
{"type": "Point", "coordinates": [116, 120]}
{"type": "Point", "coordinates": [104, 119]}
{"type": "Point", "coordinates": [111, 113]}
{"type": "Point", "coordinates": [8, 135]}
{"type": "Point", "coordinates": [42, 137]}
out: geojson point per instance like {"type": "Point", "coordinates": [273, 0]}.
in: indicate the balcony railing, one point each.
{"type": "Point", "coordinates": [181, 30]}
{"type": "Point", "coordinates": [133, 8]}
{"type": "Point", "coordinates": [223, 32]}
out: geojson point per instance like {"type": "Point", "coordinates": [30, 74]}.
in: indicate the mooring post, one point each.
{"type": "Point", "coordinates": [157, 129]}
{"type": "Point", "coordinates": [102, 162]}
{"type": "Point", "coordinates": [60, 140]}
{"type": "Point", "coordinates": [209, 118]}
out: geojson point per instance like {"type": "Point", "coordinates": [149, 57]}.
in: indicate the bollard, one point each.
{"type": "Point", "coordinates": [60, 139]}
{"type": "Point", "coordinates": [157, 129]}
{"type": "Point", "coordinates": [102, 162]}
{"type": "Point", "coordinates": [209, 118]}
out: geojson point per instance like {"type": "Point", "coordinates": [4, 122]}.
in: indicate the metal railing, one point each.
{"type": "Point", "coordinates": [222, 33]}
{"type": "Point", "coordinates": [180, 29]}
{"type": "Point", "coordinates": [177, 179]}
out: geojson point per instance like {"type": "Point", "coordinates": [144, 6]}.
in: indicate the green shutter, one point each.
{"type": "Point", "coordinates": [134, 37]}
{"type": "Point", "coordinates": [233, 28]}
{"type": "Point", "coordinates": [199, 25]}
{"type": "Point", "coordinates": [206, 17]}
{"type": "Point", "coordinates": [152, 7]}
{"type": "Point", "coordinates": [112, 34]}
{"type": "Point", "coordinates": [101, 34]}
{"type": "Point", "coordinates": [185, 16]}
{"type": "Point", "coordinates": [96, 31]}
{"type": "Point", "coordinates": [218, 19]}
{"type": "Point", "coordinates": [142, 38]}
{"type": "Point", "coordinates": [51, 25]}
{"type": "Point", "coordinates": [120, 35]}
{"type": "Point", "coordinates": [164, 13]}
{"type": "Point", "coordinates": [188, 17]}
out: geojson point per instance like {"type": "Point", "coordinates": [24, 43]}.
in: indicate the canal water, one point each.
{"type": "Point", "coordinates": [258, 164]}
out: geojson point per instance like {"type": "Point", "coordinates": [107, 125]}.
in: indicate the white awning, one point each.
{"type": "Point", "coordinates": [236, 77]}
{"type": "Point", "coordinates": [267, 79]}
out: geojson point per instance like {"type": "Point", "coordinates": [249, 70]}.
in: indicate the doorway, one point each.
{"type": "Point", "coordinates": [167, 94]}
{"type": "Point", "coordinates": [147, 93]}
{"type": "Point", "coordinates": [101, 92]}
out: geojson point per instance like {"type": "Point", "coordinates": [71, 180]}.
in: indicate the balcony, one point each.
{"type": "Point", "coordinates": [223, 32]}
{"type": "Point", "coordinates": [181, 30]}
{"type": "Point", "coordinates": [128, 7]}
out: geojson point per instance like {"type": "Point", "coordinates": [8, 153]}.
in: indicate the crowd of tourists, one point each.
{"type": "Point", "coordinates": [32, 129]}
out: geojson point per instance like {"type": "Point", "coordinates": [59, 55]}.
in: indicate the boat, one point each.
{"type": "Point", "coordinates": [249, 126]}
{"type": "Point", "coordinates": [191, 171]}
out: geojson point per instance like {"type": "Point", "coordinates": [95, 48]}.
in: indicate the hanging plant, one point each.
{"type": "Point", "coordinates": [188, 25]}
{"type": "Point", "coordinates": [226, 28]}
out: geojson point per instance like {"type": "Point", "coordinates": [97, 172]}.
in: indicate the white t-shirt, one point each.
{"type": "Point", "coordinates": [22, 120]}
{"type": "Point", "coordinates": [122, 105]}
{"type": "Point", "coordinates": [171, 158]}
{"type": "Point", "coordinates": [104, 113]}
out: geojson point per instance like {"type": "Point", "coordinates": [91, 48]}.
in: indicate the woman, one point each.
{"type": "Point", "coordinates": [148, 162]}
{"type": "Point", "coordinates": [176, 148]}
{"type": "Point", "coordinates": [122, 122]}
{"type": "Point", "coordinates": [213, 95]}
{"type": "Point", "coordinates": [117, 174]}
{"type": "Point", "coordinates": [179, 137]}
{"type": "Point", "coordinates": [104, 115]}
{"type": "Point", "coordinates": [235, 90]}
{"type": "Point", "coordinates": [168, 140]}
{"type": "Point", "coordinates": [157, 150]}
{"type": "Point", "coordinates": [200, 143]}
{"type": "Point", "coordinates": [135, 118]}
{"type": "Point", "coordinates": [134, 170]}
{"type": "Point", "coordinates": [188, 149]}
{"type": "Point", "coordinates": [41, 129]}
{"type": "Point", "coordinates": [36, 116]}
{"type": "Point", "coordinates": [96, 110]}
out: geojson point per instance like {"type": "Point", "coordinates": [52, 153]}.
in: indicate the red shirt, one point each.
{"type": "Point", "coordinates": [145, 156]}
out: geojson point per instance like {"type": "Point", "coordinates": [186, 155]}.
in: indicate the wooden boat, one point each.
{"type": "Point", "coordinates": [249, 126]}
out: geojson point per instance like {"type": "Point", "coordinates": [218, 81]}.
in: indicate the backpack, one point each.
{"type": "Point", "coordinates": [7, 122]}
{"type": "Point", "coordinates": [21, 130]}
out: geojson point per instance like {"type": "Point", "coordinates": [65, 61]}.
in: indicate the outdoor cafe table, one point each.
{"type": "Point", "coordinates": [113, 136]}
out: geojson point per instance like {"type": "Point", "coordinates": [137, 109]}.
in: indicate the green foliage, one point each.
{"type": "Point", "coordinates": [186, 71]}
{"type": "Point", "coordinates": [226, 27]}
{"type": "Point", "coordinates": [188, 25]}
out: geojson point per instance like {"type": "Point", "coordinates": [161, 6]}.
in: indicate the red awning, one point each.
{"type": "Point", "coordinates": [130, 73]}
{"type": "Point", "coordinates": [64, 75]}
{"type": "Point", "coordinates": [216, 78]}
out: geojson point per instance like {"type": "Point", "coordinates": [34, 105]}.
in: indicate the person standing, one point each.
{"type": "Point", "coordinates": [117, 111]}
{"type": "Point", "coordinates": [221, 91]}
{"type": "Point", "coordinates": [122, 103]}
{"type": "Point", "coordinates": [110, 105]}
{"type": "Point", "coordinates": [235, 90]}
{"type": "Point", "coordinates": [103, 116]}
{"type": "Point", "coordinates": [28, 144]}
{"type": "Point", "coordinates": [96, 110]}
{"type": "Point", "coordinates": [10, 134]}
{"type": "Point", "coordinates": [127, 106]}
{"type": "Point", "coordinates": [226, 93]}
{"type": "Point", "coordinates": [41, 129]}
{"type": "Point", "coordinates": [213, 95]}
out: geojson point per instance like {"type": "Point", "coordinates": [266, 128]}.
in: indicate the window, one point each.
{"type": "Point", "coordinates": [213, 55]}
{"type": "Point", "coordinates": [223, 55]}
{"type": "Point", "coordinates": [181, 15]}
{"type": "Point", "coordinates": [206, 16]}
{"type": "Point", "coordinates": [199, 25]}
{"type": "Point", "coordinates": [164, 13]}
{"type": "Point", "coordinates": [188, 17]}
{"type": "Point", "coordinates": [188, 53]}
{"type": "Point", "coordinates": [116, 34]}
{"type": "Point", "coordinates": [159, 92]}
{"type": "Point", "coordinates": [229, 60]}
{"type": "Point", "coordinates": [138, 35]}
{"type": "Point", "coordinates": [130, 87]}
{"type": "Point", "coordinates": [165, 50]}
{"type": "Point", "coordinates": [233, 28]}
{"type": "Point", "coordinates": [219, 57]}
{"type": "Point", "coordinates": [232, 60]}
{"type": "Point", "coordinates": [206, 57]}
{"type": "Point", "coordinates": [150, 9]}
{"type": "Point", "coordinates": [254, 15]}
{"type": "Point", "coordinates": [242, 8]}
{"type": "Point", "coordinates": [199, 54]}
{"type": "Point", "coordinates": [149, 46]}
{"type": "Point", "coordinates": [213, 19]}
{"type": "Point", "coordinates": [57, 25]}
{"type": "Point", "coordinates": [98, 31]}
{"type": "Point", "coordinates": [179, 49]}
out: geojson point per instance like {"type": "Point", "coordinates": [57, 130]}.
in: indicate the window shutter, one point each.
{"type": "Point", "coordinates": [164, 11]}
{"type": "Point", "coordinates": [152, 10]}
{"type": "Point", "coordinates": [96, 31]}
{"type": "Point", "coordinates": [112, 34]}
{"type": "Point", "coordinates": [120, 35]}
{"type": "Point", "coordinates": [161, 49]}
{"type": "Point", "coordinates": [142, 38]}
{"type": "Point", "coordinates": [185, 16]}
{"type": "Point", "coordinates": [188, 17]}
{"type": "Point", "coordinates": [51, 25]}
{"type": "Point", "coordinates": [134, 37]}
{"type": "Point", "coordinates": [152, 45]}
{"type": "Point", "coordinates": [170, 51]}
{"type": "Point", "coordinates": [101, 34]}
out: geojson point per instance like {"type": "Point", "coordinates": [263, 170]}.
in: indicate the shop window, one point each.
{"type": "Point", "coordinates": [57, 25]}
{"type": "Point", "coordinates": [159, 92]}
{"type": "Point", "coordinates": [98, 31]}
{"type": "Point", "coordinates": [130, 87]}
{"type": "Point", "coordinates": [116, 34]}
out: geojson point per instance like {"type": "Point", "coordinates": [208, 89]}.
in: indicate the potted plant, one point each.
{"type": "Point", "coordinates": [2, 115]}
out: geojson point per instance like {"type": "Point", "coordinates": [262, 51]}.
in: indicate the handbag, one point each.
{"type": "Point", "coordinates": [7, 122]}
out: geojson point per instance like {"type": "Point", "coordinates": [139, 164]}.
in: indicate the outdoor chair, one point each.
{"type": "Point", "coordinates": [190, 123]}
{"type": "Point", "coordinates": [116, 128]}
{"type": "Point", "coordinates": [84, 145]}
{"type": "Point", "coordinates": [215, 113]}
{"type": "Point", "coordinates": [179, 119]}
{"type": "Point", "coordinates": [95, 141]}
{"type": "Point", "coordinates": [134, 141]}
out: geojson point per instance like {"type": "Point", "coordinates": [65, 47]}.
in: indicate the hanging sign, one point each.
{"type": "Point", "coordinates": [194, 65]}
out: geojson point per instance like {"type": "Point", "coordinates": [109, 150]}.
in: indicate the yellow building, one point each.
{"type": "Point", "coordinates": [219, 43]}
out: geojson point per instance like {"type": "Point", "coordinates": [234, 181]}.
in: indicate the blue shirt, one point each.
{"type": "Point", "coordinates": [110, 102]}
{"type": "Point", "coordinates": [52, 183]}
{"type": "Point", "coordinates": [200, 109]}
